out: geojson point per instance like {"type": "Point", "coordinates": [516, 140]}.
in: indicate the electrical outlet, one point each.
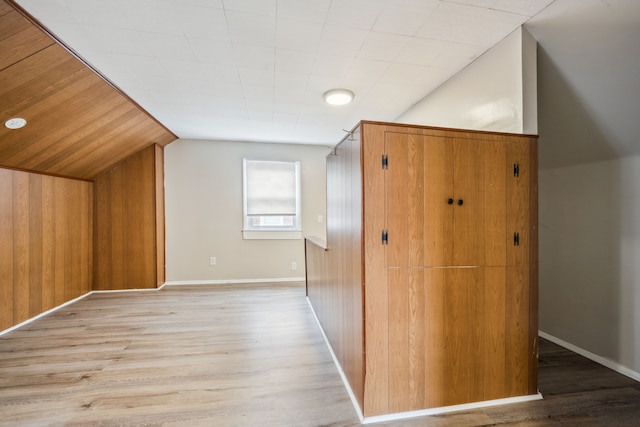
{"type": "Point", "coordinates": [294, 265]}
{"type": "Point", "coordinates": [212, 260]}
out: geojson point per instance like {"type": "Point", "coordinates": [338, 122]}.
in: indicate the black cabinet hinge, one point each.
{"type": "Point", "coordinates": [385, 161]}
{"type": "Point", "coordinates": [516, 170]}
{"type": "Point", "coordinates": [385, 237]}
{"type": "Point", "coordinates": [516, 239]}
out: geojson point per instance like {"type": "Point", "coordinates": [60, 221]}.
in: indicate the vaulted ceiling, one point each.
{"type": "Point", "coordinates": [78, 125]}
{"type": "Point", "coordinates": [255, 70]}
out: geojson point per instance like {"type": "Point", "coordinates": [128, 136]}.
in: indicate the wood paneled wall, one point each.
{"type": "Point", "coordinates": [46, 241]}
{"type": "Point", "coordinates": [129, 224]}
{"type": "Point", "coordinates": [334, 276]}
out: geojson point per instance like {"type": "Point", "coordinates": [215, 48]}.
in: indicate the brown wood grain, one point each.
{"type": "Point", "coordinates": [21, 247]}
{"type": "Point", "coordinates": [46, 239]}
{"type": "Point", "coordinates": [456, 336]}
{"type": "Point", "coordinates": [35, 244]}
{"type": "Point", "coordinates": [414, 188]}
{"type": "Point", "coordinates": [78, 124]}
{"type": "Point", "coordinates": [376, 290]}
{"type": "Point", "coordinates": [6, 248]}
{"type": "Point", "coordinates": [496, 170]}
{"type": "Point", "coordinates": [418, 308]}
{"type": "Point", "coordinates": [495, 339]}
{"type": "Point", "coordinates": [475, 202]}
{"type": "Point", "coordinates": [438, 188]}
{"type": "Point", "coordinates": [160, 216]}
{"type": "Point", "coordinates": [18, 38]}
{"type": "Point", "coordinates": [48, 242]}
{"type": "Point", "coordinates": [477, 334]}
{"type": "Point", "coordinates": [399, 374]}
{"type": "Point", "coordinates": [435, 321]}
{"type": "Point", "coordinates": [127, 221]}
{"type": "Point", "coordinates": [445, 320]}
{"type": "Point", "coordinates": [396, 198]}
{"type": "Point", "coordinates": [518, 293]}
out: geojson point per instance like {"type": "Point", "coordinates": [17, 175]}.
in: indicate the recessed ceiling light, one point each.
{"type": "Point", "coordinates": [338, 96]}
{"type": "Point", "coordinates": [15, 123]}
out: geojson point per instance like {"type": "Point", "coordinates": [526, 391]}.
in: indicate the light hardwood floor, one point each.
{"type": "Point", "coordinates": [238, 355]}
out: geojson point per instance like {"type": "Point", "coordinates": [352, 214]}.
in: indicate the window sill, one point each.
{"type": "Point", "coordinates": [271, 235]}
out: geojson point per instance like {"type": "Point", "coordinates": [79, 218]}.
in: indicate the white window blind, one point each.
{"type": "Point", "coordinates": [270, 187]}
{"type": "Point", "coordinates": [271, 199]}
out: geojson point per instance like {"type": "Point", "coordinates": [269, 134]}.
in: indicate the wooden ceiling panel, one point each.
{"type": "Point", "coordinates": [78, 123]}
{"type": "Point", "coordinates": [18, 38]}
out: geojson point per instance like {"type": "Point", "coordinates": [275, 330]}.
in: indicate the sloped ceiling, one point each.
{"type": "Point", "coordinates": [255, 70]}
{"type": "Point", "coordinates": [588, 81]}
{"type": "Point", "coordinates": [78, 125]}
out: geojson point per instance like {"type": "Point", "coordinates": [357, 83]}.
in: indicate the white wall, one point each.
{"type": "Point", "coordinates": [496, 92]}
{"type": "Point", "coordinates": [590, 258]}
{"type": "Point", "coordinates": [203, 184]}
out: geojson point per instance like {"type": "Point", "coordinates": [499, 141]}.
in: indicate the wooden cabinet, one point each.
{"type": "Point", "coordinates": [449, 266]}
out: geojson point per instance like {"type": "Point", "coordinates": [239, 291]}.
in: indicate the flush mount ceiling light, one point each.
{"type": "Point", "coordinates": [338, 96]}
{"type": "Point", "coordinates": [15, 123]}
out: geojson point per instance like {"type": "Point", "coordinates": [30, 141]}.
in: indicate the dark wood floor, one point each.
{"type": "Point", "coordinates": [238, 355]}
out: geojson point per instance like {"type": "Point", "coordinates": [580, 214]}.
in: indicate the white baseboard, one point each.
{"type": "Point", "coordinates": [231, 281]}
{"type": "Point", "coordinates": [452, 408]}
{"type": "Point", "coordinates": [45, 313]}
{"type": "Point", "coordinates": [611, 364]}
{"type": "Point", "coordinates": [413, 414]}
{"type": "Point", "coordinates": [115, 291]}
{"type": "Point", "coordinates": [188, 282]}
{"type": "Point", "coordinates": [352, 396]}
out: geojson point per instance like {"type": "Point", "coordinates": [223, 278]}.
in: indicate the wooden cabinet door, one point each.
{"type": "Point", "coordinates": [418, 183]}
{"type": "Point", "coordinates": [435, 193]}
{"type": "Point", "coordinates": [441, 351]}
{"type": "Point", "coordinates": [452, 300]}
{"type": "Point", "coordinates": [468, 193]}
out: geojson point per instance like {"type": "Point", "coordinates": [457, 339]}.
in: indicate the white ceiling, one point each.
{"type": "Point", "coordinates": [255, 70]}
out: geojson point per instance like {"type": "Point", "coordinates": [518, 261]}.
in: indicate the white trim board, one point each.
{"type": "Point", "coordinates": [44, 313]}
{"type": "Point", "coordinates": [232, 281]}
{"type": "Point", "coordinates": [452, 408]}
{"type": "Point", "coordinates": [419, 413]}
{"type": "Point", "coordinates": [613, 365]}
{"type": "Point", "coordinates": [56, 308]}
{"type": "Point", "coordinates": [352, 396]}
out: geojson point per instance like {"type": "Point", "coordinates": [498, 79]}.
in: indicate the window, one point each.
{"type": "Point", "coordinates": [271, 197]}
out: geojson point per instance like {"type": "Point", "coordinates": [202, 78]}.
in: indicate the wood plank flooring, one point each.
{"type": "Point", "coordinates": [238, 355]}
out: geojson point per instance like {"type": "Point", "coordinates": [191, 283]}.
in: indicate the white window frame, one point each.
{"type": "Point", "coordinates": [251, 231]}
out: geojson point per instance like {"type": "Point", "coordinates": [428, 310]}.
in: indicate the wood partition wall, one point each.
{"type": "Point", "coordinates": [427, 285]}
{"type": "Point", "coordinates": [129, 226]}
{"type": "Point", "coordinates": [61, 238]}
{"type": "Point", "coordinates": [46, 237]}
